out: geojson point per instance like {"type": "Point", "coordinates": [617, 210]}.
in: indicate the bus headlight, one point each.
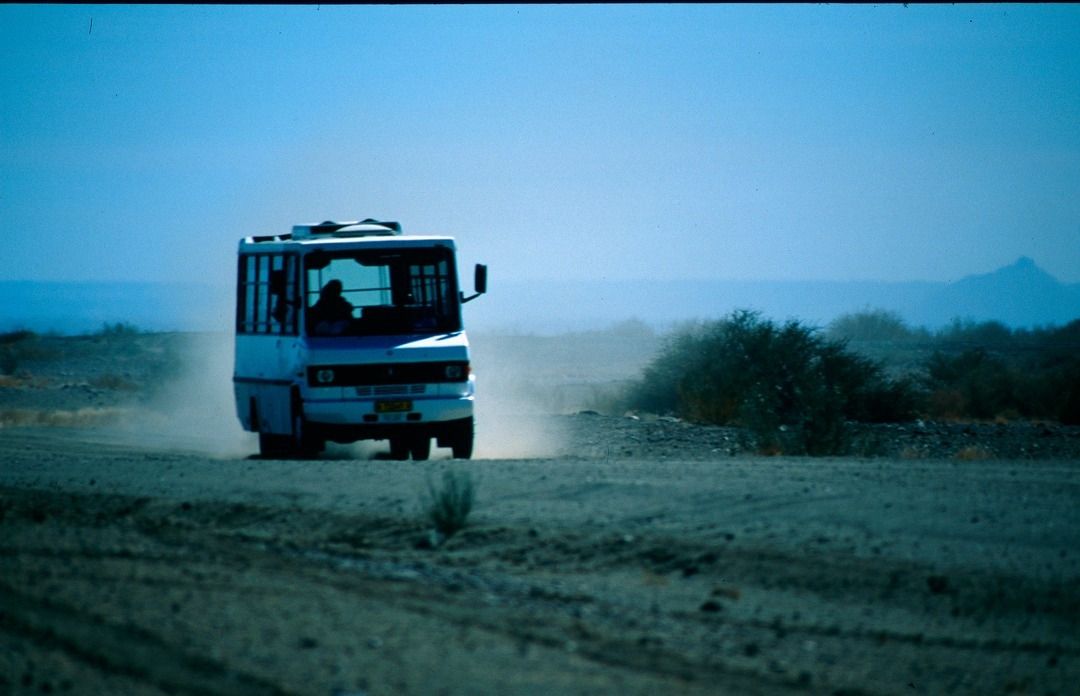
{"type": "Point", "coordinates": [324, 376]}
{"type": "Point", "coordinates": [457, 373]}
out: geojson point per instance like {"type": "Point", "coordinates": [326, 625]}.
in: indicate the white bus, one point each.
{"type": "Point", "coordinates": [348, 331]}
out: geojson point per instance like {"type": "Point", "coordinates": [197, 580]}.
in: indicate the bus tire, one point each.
{"type": "Point", "coordinates": [272, 446]}
{"type": "Point", "coordinates": [420, 448]}
{"type": "Point", "coordinates": [399, 449]}
{"type": "Point", "coordinates": [462, 444]}
{"type": "Point", "coordinates": [303, 443]}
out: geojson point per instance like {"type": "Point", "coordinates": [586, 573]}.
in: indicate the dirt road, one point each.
{"type": "Point", "coordinates": [128, 569]}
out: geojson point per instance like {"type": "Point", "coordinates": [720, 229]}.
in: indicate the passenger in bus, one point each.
{"type": "Point", "coordinates": [332, 314]}
{"type": "Point", "coordinates": [284, 304]}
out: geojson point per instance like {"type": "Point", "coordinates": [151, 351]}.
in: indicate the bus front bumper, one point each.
{"type": "Point", "coordinates": [388, 412]}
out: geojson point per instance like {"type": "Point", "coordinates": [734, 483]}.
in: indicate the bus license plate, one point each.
{"type": "Point", "coordinates": [392, 406]}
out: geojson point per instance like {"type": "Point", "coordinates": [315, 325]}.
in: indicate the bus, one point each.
{"type": "Point", "coordinates": [350, 331]}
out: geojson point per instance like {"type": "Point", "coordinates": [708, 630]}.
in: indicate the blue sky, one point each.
{"type": "Point", "coordinates": [619, 142]}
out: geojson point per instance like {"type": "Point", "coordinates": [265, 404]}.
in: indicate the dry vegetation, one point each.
{"type": "Point", "coordinates": [642, 554]}
{"type": "Point", "coordinates": [91, 380]}
{"type": "Point", "coordinates": [798, 389]}
{"type": "Point", "coordinates": [791, 388]}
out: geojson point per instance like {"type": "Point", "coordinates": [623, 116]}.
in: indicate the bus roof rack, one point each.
{"type": "Point", "coordinates": [352, 228]}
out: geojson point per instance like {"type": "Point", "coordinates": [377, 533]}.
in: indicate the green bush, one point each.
{"type": "Point", "coordinates": [873, 325]}
{"type": "Point", "coordinates": [9, 360]}
{"type": "Point", "coordinates": [10, 337]}
{"type": "Point", "coordinates": [13, 348]}
{"type": "Point", "coordinates": [796, 389]}
{"type": "Point", "coordinates": [120, 328]}
{"type": "Point", "coordinates": [985, 371]}
{"type": "Point", "coordinates": [985, 334]}
{"type": "Point", "coordinates": [973, 370]}
{"type": "Point", "coordinates": [972, 384]}
{"type": "Point", "coordinates": [792, 388]}
{"type": "Point", "coordinates": [450, 505]}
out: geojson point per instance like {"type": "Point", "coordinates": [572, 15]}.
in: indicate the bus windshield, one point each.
{"type": "Point", "coordinates": [380, 292]}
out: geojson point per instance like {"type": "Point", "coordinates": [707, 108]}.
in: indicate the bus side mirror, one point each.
{"type": "Point", "coordinates": [479, 283]}
{"type": "Point", "coordinates": [480, 279]}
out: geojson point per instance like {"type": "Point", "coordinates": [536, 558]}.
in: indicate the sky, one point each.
{"type": "Point", "coordinates": [740, 142]}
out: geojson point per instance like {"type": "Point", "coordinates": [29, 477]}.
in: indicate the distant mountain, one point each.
{"type": "Point", "coordinates": [1019, 295]}
{"type": "Point", "coordinates": [553, 306]}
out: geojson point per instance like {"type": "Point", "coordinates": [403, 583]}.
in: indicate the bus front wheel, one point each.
{"type": "Point", "coordinates": [420, 448]}
{"type": "Point", "coordinates": [416, 446]}
{"type": "Point", "coordinates": [399, 449]}
{"type": "Point", "coordinates": [272, 446]}
{"type": "Point", "coordinates": [462, 444]}
{"type": "Point", "coordinates": [303, 442]}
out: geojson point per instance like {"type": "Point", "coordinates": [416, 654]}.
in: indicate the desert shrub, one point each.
{"type": "Point", "coordinates": [9, 360]}
{"type": "Point", "coordinates": [795, 388]}
{"type": "Point", "coordinates": [10, 337]}
{"type": "Point", "coordinates": [634, 329]}
{"type": "Point", "coordinates": [985, 334]}
{"type": "Point", "coordinates": [1051, 389]}
{"type": "Point", "coordinates": [973, 453]}
{"type": "Point", "coordinates": [1069, 411]}
{"type": "Point", "coordinates": [1060, 342]}
{"type": "Point", "coordinates": [973, 384]}
{"type": "Point", "coordinates": [449, 505]}
{"type": "Point", "coordinates": [14, 347]}
{"type": "Point", "coordinates": [791, 387]}
{"type": "Point", "coordinates": [1059, 394]}
{"type": "Point", "coordinates": [1002, 374]}
{"type": "Point", "coordinates": [120, 328]}
{"type": "Point", "coordinates": [872, 325]}
{"type": "Point", "coordinates": [113, 382]}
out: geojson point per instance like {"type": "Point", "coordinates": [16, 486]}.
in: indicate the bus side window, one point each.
{"type": "Point", "coordinates": [267, 300]}
{"type": "Point", "coordinates": [246, 294]}
{"type": "Point", "coordinates": [262, 295]}
{"type": "Point", "coordinates": [283, 296]}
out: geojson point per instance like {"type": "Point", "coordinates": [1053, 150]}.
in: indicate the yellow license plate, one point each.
{"type": "Point", "coordinates": [392, 406]}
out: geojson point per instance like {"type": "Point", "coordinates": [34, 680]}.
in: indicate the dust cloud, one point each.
{"type": "Point", "coordinates": [192, 407]}
{"type": "Point", "coordinates": [521, 381]}
{"type": "Point", "coordinates": [510, 423]}
{"type": "Point", "coordinates": [524, 379]}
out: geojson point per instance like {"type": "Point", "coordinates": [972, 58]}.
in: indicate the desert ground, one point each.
{"type": "Point", "coordinates": [145, 550]}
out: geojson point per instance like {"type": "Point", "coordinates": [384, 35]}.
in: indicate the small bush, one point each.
{"type": "Point", "coordinates": [9, 337]}
{"type": "Point", "coordinates": [973, 453]}
{"type": "Point", "coordinates": [971, 370]}
{"type": "Point", "coordinates": [872, 325]}
{"type": "Point", "coordinates": [450, 505]}
{"type": "Point", "coordinates": [13, 349]}
{"type": "Point", "coordinates": [986, 334]}
{"type": "Point", "coordinates": [120, 328]}
{"type": "Point", "coordinates": [978, 384]}
{"type": "Point", "coordinates": [973, 383]}
{"type": "Point", "coordinates": [113, 382]}
{"type": "Point", "coordinates": [9, 361]}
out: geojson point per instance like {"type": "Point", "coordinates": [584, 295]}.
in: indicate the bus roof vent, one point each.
{"type": "Point", "coordinates": [353, 228]}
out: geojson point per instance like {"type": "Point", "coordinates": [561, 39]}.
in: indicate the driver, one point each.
{"type": "Point", "coordinates": [332, 314]}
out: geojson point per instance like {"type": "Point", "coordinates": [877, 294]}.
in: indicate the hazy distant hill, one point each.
{"type": "Point", "coordinates": [1018, 295]}
{"type": "Point", "coordinates": [85, 307]}
{"type": "Point", "coordinates": [577, 305]}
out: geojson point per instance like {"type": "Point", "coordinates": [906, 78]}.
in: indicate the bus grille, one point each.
{"type": "Point", "coordinates": [392, 390]}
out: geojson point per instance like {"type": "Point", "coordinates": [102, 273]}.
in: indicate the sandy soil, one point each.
{"type": "Point", "coordinates": [604, 555]}
{"type": "Point", "coordinates": [129, 570]}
